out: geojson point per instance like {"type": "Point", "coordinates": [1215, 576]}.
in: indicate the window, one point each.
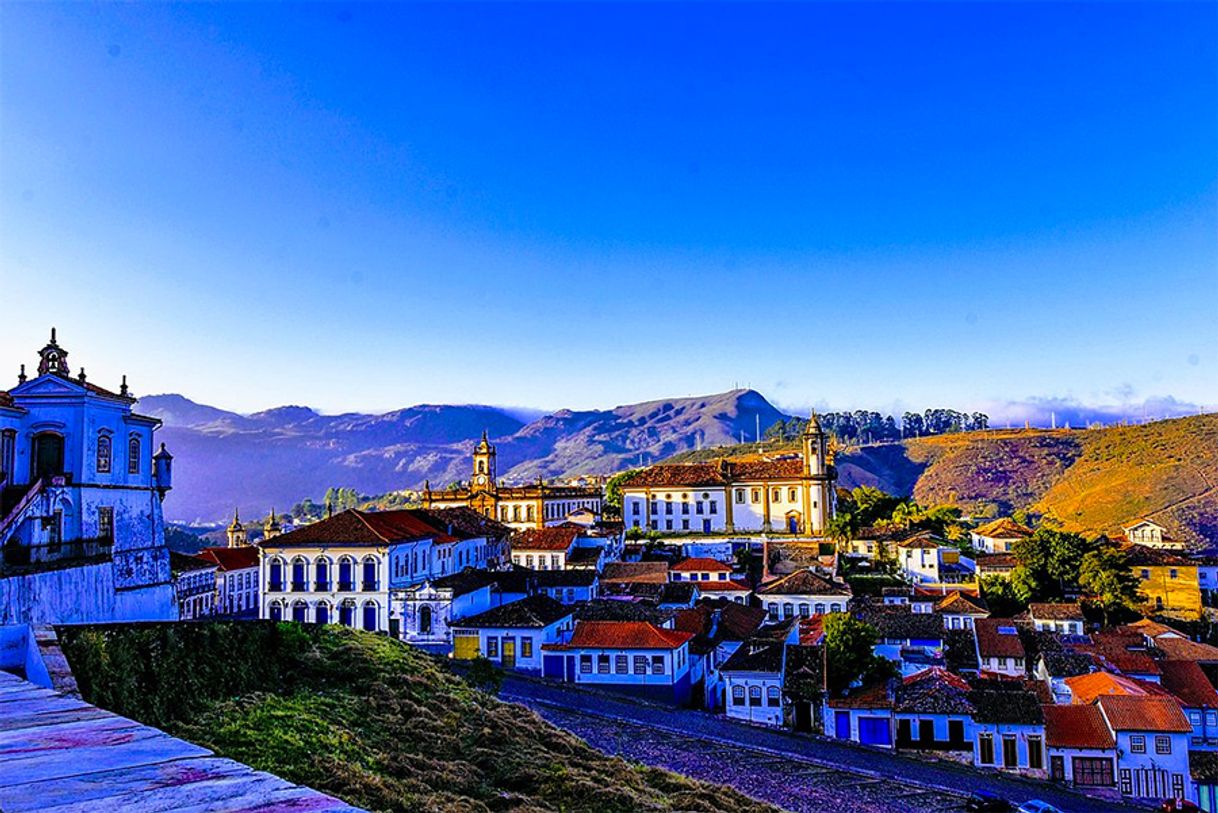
{"type": "Point", "coordinates": [657, 664]}
{"type": "Point", "coordinates": [792, 495]}
{"type": "Point", "coordinates": [714, 507]}
{"type": "Point", "coordinates": [346, 614]}
{"type": "Point", "coordinates": [1137, 744]}
{"type": "Point", "coordinates": [776, 495]}
{"type": "Point", "coordinates": [602, 664]}
{"type": "Point", "coordinates": [788, 610]}
{"type": "Point", "coordinates": [621, 664]}
{"type": "Point", "coordinates": [492, 651]}
{"type": "Point", "coordinates": [737, 695]}
{"type": "Point", "coordinates": [1173, 573]}
{"type": "Point", "coordinates": [1145, 574]}
{"type": "Point", "coordinates": [684, 525]}
{"type": "Point", "coordinates": [321, 571]}
{"type": "Point", "coordinates": [754, 695]}
{"type": "Point", "coordinates": [1036, 753]}
{"type": "Point", "coordinates": [756, 495]}
{"type": "Point", "coordinates": [684, 508]}
{"type": "Point", "coordinates": [985, 749]}
{"type": "Point", "coordinates": [805, 610]}
{"type": "Point", "coordinates": [554, 561]}
{"type": "Point", "coordinates": [133, 455]}
{"type": "Point", "coordinates": [1092, 771]}
{"type": "Point", "coordinates": [640, 664]}
{"type": "Point", "coordinates": [105, 523]}
{"type": "Point", "coordinates": [773, 608]}
{"type": "Point", "coordinates": [346, 575]}
{"type": "Point", "coordinates": [772, 696]}
{"type": "Point", "coordinates": [740, 499]}
{"type": "Point", "coordinates": [55, 532]}
{"type": "Point", "coordinates": [1010, 752]}
{"type": "Point", "coordinates": [370, 617]}
{"type": "Point", "coordinates": [8, 454]}
{"type": "Point", "coordinates": [820, 609]}
{"type": "Point", "coordinates": [634, 508]}
{"type": "Point", "coordinates": [668, 525]}
{"type": "Point", "coordinates": [526, 647]}
{"type": "Point", "coordinates": [275, 577]}
{"type": "Point", "coordinates": [698, 507]}
{"type": "Point", "coordinates": [1162, 745]}
{"type": "Point", "coordinates": [104, 453]}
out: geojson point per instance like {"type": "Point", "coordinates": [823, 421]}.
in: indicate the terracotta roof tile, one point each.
{"type": "Point", "coordinates": [804, 583]}
{"type": "Point", "coordinates": [1056, 612]}
{"type": "Point", "coordinates": [1188, 683]}
{"type": "Point", "coordinates": [626, 635]}
{"type": "Point", "coordinates": [232, 558]}
{"type": "Point", "coordinates": [646, 572]}
{"type": "Point", "coordinates": [1086, 688]}
{"type": "Point", "coordinates": [1125, 713]}
{"type": "Point", "coordinates": [538, 610]}
{"type": "Point", "coordinates": [1004, 528]}
{"type": "Point", "coordinates": [554, 539]}
{"type": "Point", "coordinates": [1076, 727]}
{"type": "Point", "coordinates": [993, 642]}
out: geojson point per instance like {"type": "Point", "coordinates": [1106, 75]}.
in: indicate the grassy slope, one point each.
{"type": "Point", "coordinates": [367, 719]}
{"type": "Point", "coordinates": [1090, 480]}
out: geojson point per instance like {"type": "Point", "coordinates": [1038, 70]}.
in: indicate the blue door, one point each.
{"type": "Point", "coordinates": [841, 725]}
{"type": "Point", "coordinates": [793, 524]}
{"type": "Point", "coordinates": [570, 668]}
{"type": "Point", "coordinates": [874, 731]}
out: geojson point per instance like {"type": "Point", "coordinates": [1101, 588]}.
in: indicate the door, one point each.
{"type": "Point", "coordinates": [874, 731]}
{"type": "Point", "coordinates": [1057, 768]}
{"type": "Point", "coordinates": [47, 459]}
{"type": "Point", "coordinates": [803, 717]}
{"type": "Point", "coordinates": [1010, 754]}
{"type": "Point", "coordinates": [841, 725]}
{"type": "Point", "coordinates": [509, 653]}
{"type": "Point", "coordinates": [706, 526]}
{"type": "Point", "coordinates": [904, 732]}
{"type": "Point", "coordinates": [926, 731]}
{"type": "Point", "coordinates": [955, 732]}
{"type": "Point", "coordinates": [793, 524]}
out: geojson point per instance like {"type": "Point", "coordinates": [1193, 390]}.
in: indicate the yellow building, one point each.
{"type": "Point", "coordinates": [1169, 581]}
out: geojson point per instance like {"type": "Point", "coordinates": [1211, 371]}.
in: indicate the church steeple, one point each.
{"type": "Point", "coordinates": [236, 532]}
{"type": "Point", "coordinates": [53, 359]}
{"type": "Point", "coordinates": [484, 465]}
{"type": "Point", "coordinates": [271, 529]}
{"type": "Point", "coordinates": [815, 447]}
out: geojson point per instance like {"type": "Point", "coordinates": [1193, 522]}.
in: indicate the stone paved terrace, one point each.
{"type": "Point", "coordinates": [62, 755]}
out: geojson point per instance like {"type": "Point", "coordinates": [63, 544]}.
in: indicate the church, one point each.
{"type": "Point", "coordinates": [81, 529]}
{"type": "Point", "coordinates": [791, 494]}
{"type": "Point", "coordinates": [537, 505]}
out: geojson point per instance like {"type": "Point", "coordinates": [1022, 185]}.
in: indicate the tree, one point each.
{"type": "Point", "coordinates": [850, 651]}
{"type": "Point", "coordinates": [1105, 574]}
{"type": "Point", "coordinates": [841, 528]}
{"type": "Point", "coordinates": [613, 493]}
{"type": "Point", "coordinates": [749, 563]}
{"type": "Point", "coordinates": [999, 595]}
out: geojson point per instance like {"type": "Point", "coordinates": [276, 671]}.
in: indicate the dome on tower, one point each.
{"type": "Point", "coordinates": [52, 358]}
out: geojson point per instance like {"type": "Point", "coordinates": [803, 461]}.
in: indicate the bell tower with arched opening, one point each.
{"type": "Point", "coordinates": [484, 466]}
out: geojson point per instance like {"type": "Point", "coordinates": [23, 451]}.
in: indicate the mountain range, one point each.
{"type": "Point", "coordinates": [275, 458]}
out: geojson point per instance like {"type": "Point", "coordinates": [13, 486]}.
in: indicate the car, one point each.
{"type": "Point", "coordinates": [1174, 805]}
{"type": "Point", "coordinates": [983, 801]}
{"type": "Point", "coordinates": [1037, 806]}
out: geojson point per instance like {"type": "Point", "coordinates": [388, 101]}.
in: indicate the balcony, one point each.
{"type": "Point", "coordinates": [346, 587]}
{"type": "Point", "coordinates": [322, 587]}
{"type": "Point", "coordinates": [275, 586]}
{"type": "Point", "coordinates": [368, 586]}
{"type": "Point", "coordinates": [18, 558]}
{"type": "Point", "coordinates": [299, 587]}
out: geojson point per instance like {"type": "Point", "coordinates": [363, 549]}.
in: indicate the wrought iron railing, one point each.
{"type": "Point", "coordinates": [18, 556]}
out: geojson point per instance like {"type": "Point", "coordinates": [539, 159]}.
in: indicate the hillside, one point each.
{"type": "Point", "coordinates": [1088, 480]}
{"type": "Point", "coordinates": [367, 719]}
{"type": "Point", "coordinates": [278, 457]}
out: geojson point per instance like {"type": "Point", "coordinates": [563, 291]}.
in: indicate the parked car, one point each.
{"type": "Point", "coordinates": [983, 801]}
{"type": "Point", "coordinates": [1037, 806]}
{"type": "Point", "coordinates": [1175, 805]}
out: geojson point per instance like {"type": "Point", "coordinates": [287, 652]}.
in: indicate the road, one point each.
{"type": "Point", "coordinates": [796, 772]}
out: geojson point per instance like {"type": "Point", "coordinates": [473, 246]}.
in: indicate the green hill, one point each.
{"type": "Point", "coordinates": [370, 720]}
{"type": "Point", "coordinates": [1090, 480]}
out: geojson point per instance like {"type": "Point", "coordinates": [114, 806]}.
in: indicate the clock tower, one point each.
{"type": "Point", "coordinates": [484, 466]}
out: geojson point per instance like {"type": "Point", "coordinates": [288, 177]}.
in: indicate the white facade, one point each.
{"type": "Point", "coordinates": [326, 584]}
{"type": "Point", "coordinates": [754, 697]}
{"type": "Point", "coordinates": [81, 488]}
{"type": "Point", "coordinates": [237, 591]}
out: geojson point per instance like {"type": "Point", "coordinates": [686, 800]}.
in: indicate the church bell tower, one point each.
{"type": "Point", "coordinates": [821, 498]}
{"type": "Point", "coordinates": [237, 538]}
{"type": "Point", "coordinates": [484, 466]}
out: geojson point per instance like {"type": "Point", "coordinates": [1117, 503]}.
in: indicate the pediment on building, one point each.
{"type": "Point", "coordinates": [48, 385]}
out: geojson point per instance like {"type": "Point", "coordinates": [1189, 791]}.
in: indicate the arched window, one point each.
{"type": "Point", "coordinates": [346, 575]}
{"type": "Point", "coordinates": [740, 495]}
{"type": "Point", "coordinates": [737, 695]}
{"type": "Point", "coordinates": [346, 613]}
{"type": "Point", "coordinates": [516, 513]}
{"type": "Point", "coordinates": [754, 695]}
{"type": "Point", "coordinates": [321, 571]}
{"type": "Point", "coordinates": [300, 612]}
{"type": "Point", "coordinates": [323, 613]}
{"type": "Point", "coordinates": [482, 467]}
{"type": "Point", "coordinates": [792, 495]}
{"type": "Point", "coordinates": [276, 611]}
{"type": "Point", "coordinates": [503, 513]}
{"type": "Point", "coordinates": [803, 609]}
{"type": "Point", "coordinates": [772, 697]}
{"type": "Point", "coordinates": [369, 574]}
{"type": "Point", "coordinates": [820, 609]}
{"type": "Point", "coordinates": [370, 616]}
{"type": "Point", "coordinates": [275, 579]}
{"type": "Point", "coordinates": [133, 455]}
{"type": "Point", "coordinates": [531, 514]}
{"type": "Point", "coordinates": [299, 581]}
{"type": "Point", "coordinates": [425, 620]}
{"type": "Point", "coordinates": [105, 452]}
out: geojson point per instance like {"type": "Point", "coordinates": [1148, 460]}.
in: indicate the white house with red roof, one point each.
{"type": "Point", "coordinates": [999, 648]}
{"type": "Point", "coordinates": [635, 657]}
{"type": "Point", "coordinates": [803, 593]}
{"type": "Point", "coordinates": [790, 494]}
{"type": "Point", "coordinates": [999, 535]}
{"type": "Point", "coordinates": [236, 580]}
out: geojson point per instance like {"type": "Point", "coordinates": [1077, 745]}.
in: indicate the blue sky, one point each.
{"type": "Point", "coordinates": [360, 207]}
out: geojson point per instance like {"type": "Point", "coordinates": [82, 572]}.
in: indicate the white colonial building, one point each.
{"type": "Point", "coordinates": [790, 494]}
{"type": "Point", "coordinates": [80, 502]}
{"type": "Point", "coordinates": [348, 568]}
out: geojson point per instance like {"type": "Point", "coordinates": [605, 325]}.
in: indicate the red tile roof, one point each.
{"type": "Point", "coordinates": [677, 476]}
{"type": "Point", "coordinates": [1056, 612]}
{"type": "Point", "coordinates": [1122, 650]}
{"type": "Point", "coordinates": [626, 635]}
{"type": "Point", "coordinates": [557, 539]}
{"type": "Point", "coordinates": [994, 644]}
{"type": "Point", "coordinates": [791, 468]}
{"type": "Point", "coordinates": [232, 558]}
{"type": "Point", "coordinates": [645, 572]}
{"type": "Point", "coordinates": [1086, 688]}
{"type": "Point", "coordinates": [959, 603]}
{"type": "Point", "coordinates": [804, 583]}
{"type": "Point", "coordinates": [699, 564]}
{"type": "Point", "coordinates": [363, 529]}
{"type": "Point", "coordinates": [1076, 727]}
{"type": "Point", "coordinates": [1142, 556]}
{"type": "Point", "coordinates": [1188, 683]}
{"type": "Point", "coordinates": [872, 697]}
{"type": "Point", "coordinates": [1182, 649]}
{"type": "Point", "coordinates": [1144, 714]}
